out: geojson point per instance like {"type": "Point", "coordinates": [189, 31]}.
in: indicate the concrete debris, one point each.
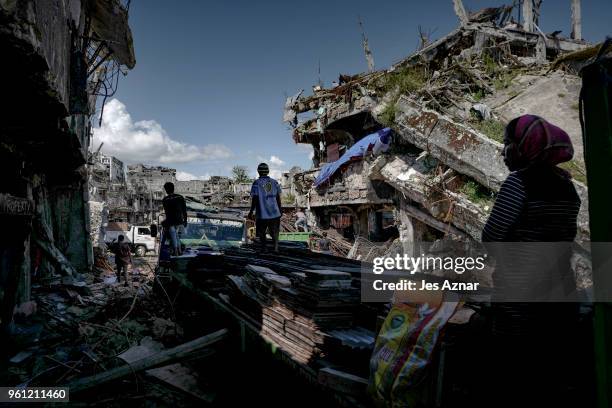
{"type": "Point", "coordinates": [77, 326]}
{"type": "Point", "coordinates": [447, 104]}
{"type": "Point", "coordinates": [143, 362]}
{"type": "Point", "coordinates": [20, 357]}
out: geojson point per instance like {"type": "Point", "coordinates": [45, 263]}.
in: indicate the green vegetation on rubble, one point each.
{"type": "Point", "coordinates": [576, 170]}
{"type": "Point", "coordinates": [387, 117]}
{"type": "Point", "coordinates": [404, 80]}
{"type": "Point", "coordinates": [476, 193]}
{"type": "Point", "coordinates": [288, 199]}
{"type": "Point", "coordinates": [491, 128]}
{"type": "Point", "coordinates": [478, 95]}
{"type": "Point", "coordinates": [504, 80]}
{"type": "Point", "coordinates": [502, 77]}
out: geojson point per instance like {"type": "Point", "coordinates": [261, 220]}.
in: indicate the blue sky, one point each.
{"type": "Point", "coordinates": [211, 76]}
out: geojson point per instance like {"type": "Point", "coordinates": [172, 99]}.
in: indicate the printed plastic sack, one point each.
{"type": "Point", "coordinates": [404, 348]}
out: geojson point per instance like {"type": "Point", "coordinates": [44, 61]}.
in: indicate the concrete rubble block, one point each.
{"type": "Point", "coordinates": [584, 233]}
{"type": "Point", "coordinates": [354, 187]}
{"type": "Point", "coordinates": [413, 178]}
{"type": "Point", "coordinates": [460, 148]}
{"type": "Point", "coordinates": [468, 216]}
{"type": "Point", "coordinates": [554, 97]}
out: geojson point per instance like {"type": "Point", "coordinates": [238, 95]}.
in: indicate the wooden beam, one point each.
{"type": "Point", "coordinates": [157, 360]}
{"type": "Point", "coordinates": [56, 256]}
{"type": "Point", "coordinates": [433, 222]}
{"type": "Point", "coordinates": [342, 382]}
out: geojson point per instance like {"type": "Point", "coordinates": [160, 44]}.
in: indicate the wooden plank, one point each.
{"type": "Point", "coordinates": [160, 359]}
{"type": "Point", "coordinates": [255, 329]}
{"type": "Point", "coordinates": [342, 382]}
{"type": "Point", "coordinates": [183, 379]}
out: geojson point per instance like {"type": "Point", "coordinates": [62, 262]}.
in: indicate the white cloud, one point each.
{"type": "Point", "coordinates": [146, 141]}
{"type": "Point", "coordinates": [277, 167]}
{"type": "Point", "coordinates": [185, 176]}
{"type": "Point", "coordinates": [276, 174]}
{"type": "Point", "coordinates": [276, 161]}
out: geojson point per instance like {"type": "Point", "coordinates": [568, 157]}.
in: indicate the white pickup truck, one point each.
{"type": "Point", "coordinates": [138, 236]}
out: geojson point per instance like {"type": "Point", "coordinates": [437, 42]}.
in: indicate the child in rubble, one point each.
{"type": "Point", "coordinates": [123, 258]}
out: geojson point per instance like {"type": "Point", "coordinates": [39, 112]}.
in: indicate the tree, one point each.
{"type": "Point", "coordinates": [240, 174]}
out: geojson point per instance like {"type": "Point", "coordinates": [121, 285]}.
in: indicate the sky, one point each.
{"type": "Point", "coordinates": [211, 77]}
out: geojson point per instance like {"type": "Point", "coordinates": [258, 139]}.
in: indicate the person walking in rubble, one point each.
{"type": "Point", "coordinates": [301, 220]}
{"type": "Point", "coordinates": [123, 258]}
{"type": "Point", "coordinates": [175, 209]}
{"type": "Point", "coordinates": [266, 202]}
{"type": "Point", "coordinates": [537, 204]}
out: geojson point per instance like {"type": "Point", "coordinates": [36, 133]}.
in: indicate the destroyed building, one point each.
{"type": "Point", "coordinates": [215, 191]}
{"type": "Point", "coordinates": [58, 57]}
{"type": "Point", "coordinates": [108, 195]}
{"type": "Point", "coordinates": [447, 105]}
{"type": "Point", "coordinates": [135, 196]}
{"type": "Point", "coordinates": [146, 190]}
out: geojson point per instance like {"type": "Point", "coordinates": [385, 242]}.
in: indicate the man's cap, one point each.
{"type": "Point", "coordinates": [263, 168]}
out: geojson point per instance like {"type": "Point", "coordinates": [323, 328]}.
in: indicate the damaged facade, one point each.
{"type": "Point", "coordinates": [134, 193]}
{"type": "Point", "coordinates": [62, 54]}
{"type": "Point", "coordinates": [447, 105]}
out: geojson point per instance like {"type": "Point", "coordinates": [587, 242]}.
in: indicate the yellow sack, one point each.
{"type": "Point", "coordinates": [404, 348]}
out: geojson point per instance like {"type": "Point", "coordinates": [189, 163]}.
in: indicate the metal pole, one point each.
{"type": "Point", "coordinates": [596, 123]}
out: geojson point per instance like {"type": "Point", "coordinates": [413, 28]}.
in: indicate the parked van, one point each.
{"type": "Point", "coordinates": [138, 236]}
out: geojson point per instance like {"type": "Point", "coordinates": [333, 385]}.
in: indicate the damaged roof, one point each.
{"type": "Point", "coordinates": [109, 22]}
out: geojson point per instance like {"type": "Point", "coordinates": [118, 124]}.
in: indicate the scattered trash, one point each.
{"type": "Point", "coordinates": [20, 357]}
{"type": "Point", "coordinates": [483, 110]}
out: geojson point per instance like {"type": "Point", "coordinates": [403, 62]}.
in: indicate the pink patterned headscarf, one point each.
{"type": "Point", "coordinates": [530, 139]}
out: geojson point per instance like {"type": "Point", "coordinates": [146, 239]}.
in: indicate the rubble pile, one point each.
{"type": "Point", "coordinates": [339, 245]}
{"type": "Point", "coordinates": [447, 105]}
{"type": "Point", "coordinates": [81, 324]}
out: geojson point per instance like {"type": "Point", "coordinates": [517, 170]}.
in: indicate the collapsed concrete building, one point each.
{"type": "Point", "coordinates": [447, 105]}
{"type": "Point", "coordinates": [58, 57]}
{"type": "Point", "coordinates": [146, 191]}
{"type": "Point", "coordinates": [217, 191]}
{"type": "Point", "coordinates": [107, 194]}
{"type": "Point", "coordinates": [135, 196]}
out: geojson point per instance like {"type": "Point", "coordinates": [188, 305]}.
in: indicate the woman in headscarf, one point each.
{"type": "Point", "coordinates": [536, 203]}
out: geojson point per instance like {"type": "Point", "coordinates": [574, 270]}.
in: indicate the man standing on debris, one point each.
{"type": "Point", "coordinates": [301, 220]}
{"type": "Point", "coordinates": [266, 201]}
{"type": "Point", "coordinates": [123, 258]}
{"type": "Point", "coordinates": [176, 217]}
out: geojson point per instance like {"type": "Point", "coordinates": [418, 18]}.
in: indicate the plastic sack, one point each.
{"type": "Point", "coordinates": [404, 348]}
